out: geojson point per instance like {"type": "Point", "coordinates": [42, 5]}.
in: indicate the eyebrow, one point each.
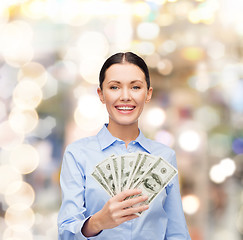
{"type": "Point", "coordinates": [116, 81]}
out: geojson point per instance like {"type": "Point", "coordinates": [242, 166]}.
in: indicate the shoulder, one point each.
{"type": "Point", "coordinates": [160, 149]}
{"type": "Point", "coordinates": [82, 144]}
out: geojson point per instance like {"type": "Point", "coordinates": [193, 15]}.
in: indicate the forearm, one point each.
{"type": "Point", "coordinates": [116, 211]}
{"type": "Point", "coordinates": [92, 226]}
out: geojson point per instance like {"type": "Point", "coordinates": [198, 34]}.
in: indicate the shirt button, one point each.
{"type": "Point", "coordinates": [129, 150]}
{"type": "Point", "coordinates": [133, 142]}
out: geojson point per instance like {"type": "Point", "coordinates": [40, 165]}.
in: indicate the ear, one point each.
{"type": "Point", "coordinates": [101, 96]}
{"type": "Point", "coordinates": [149, 95]}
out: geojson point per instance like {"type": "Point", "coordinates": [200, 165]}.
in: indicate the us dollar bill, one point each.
{"type": "Point", "coordinates": [155, 180]}
{"type": "Point", "coordinates": [116, 173]}
{"type": "Point", "coordinates": [102, 182]}
{"type": "Point", "coordinates": [105, 170]}
{"type": "Point", "coordinates": [127, 165]}
{"type": "Point", "coordinates": [145, 163]}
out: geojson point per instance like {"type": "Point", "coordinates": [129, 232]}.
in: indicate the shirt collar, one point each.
{"type": "Point", "coordinates": [144, 142]}
{"type": "Point", "coordinates": [106, 139]}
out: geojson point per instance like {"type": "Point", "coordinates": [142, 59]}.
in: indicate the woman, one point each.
{"type": "Point", "coordinates": [87, 211]}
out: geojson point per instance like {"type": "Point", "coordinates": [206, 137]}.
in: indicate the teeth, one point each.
{"type": "Point", "coordinates": [125, 108]}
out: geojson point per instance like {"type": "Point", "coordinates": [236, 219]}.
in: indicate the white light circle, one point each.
{"type": "Point", "coordinates": [189, 140]}
{"type": "Point", "coordinates": [148, 30]}
{"type": "Point", "coordinates": [228, 166]}
{"type": "Point", "coordinates": [27, 95]}
{"type": "Point", "coordinates": [89, 106]}
{"type": "Point", "coordinates": [19, 192]}
{"type": "Point", "coordinates": [190, 204]}
{"type": "Point", "coordinates": [19, 215]}
{"type": "Point", "coordinates": [93, 43]}
{"type": "Point", "coordinates": [8, 175]}
{"type": "Point", "coordinates": [216, 174]}
{"type": "Point", "coordinates": [155, 117]}
{"type": "Point", "coordinates": [25, 158]}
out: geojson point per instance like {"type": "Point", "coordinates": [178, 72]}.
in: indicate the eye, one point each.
{"type": "Point", "coordinates": [136, 87]}
{"type": "Point", "coordinates": [114, 87]}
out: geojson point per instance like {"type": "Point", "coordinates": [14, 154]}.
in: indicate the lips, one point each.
{"type": "Point", "coordinates": [125, 108]}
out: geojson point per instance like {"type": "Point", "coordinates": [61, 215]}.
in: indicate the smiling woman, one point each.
{"type": "Point", "coordinates": [124, 92]}
{"type": "Point", "coordinates": [87, 212]}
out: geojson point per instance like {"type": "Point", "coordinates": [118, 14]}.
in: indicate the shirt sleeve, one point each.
{"type": "Point", "coordinates": [176, 226]}
{"type": "Point", "coordinates": [71, 215]}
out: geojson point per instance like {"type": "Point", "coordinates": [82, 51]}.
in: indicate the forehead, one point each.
{"type": "Point", "coordinates": [124, 71]}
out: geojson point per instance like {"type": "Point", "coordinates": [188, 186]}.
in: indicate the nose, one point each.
{"type": "Point", "coordinates": [125, 95]}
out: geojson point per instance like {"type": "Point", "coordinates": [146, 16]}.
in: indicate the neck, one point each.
{"type": "Point", "coordinates": [127, 133]}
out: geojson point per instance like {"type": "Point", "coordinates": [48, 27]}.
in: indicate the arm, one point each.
{"type": "Point", "coordinates": [71, 215]}
{"type": "Point", "coordinates": [116, 211]}
{"type": "Point", "coordinates": [72, 223]}
{"type": "Point", "coordinates": [176, 227]}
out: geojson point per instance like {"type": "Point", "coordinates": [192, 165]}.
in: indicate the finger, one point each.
{"type": "Point", "coordinates": [135, 200]}
{"type": "Point", "coordinates": [127, 193]}
{"type": "Point", "coordinates": [129, 217]}
{"type": "Point", "coordinates": [133, 210]}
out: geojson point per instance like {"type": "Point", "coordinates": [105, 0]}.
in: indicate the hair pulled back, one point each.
{"type": "Point", "coordinates": [127, 57]}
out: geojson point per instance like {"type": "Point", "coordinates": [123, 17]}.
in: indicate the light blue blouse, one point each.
{"type": "Point", "coordinates": [82, 196]}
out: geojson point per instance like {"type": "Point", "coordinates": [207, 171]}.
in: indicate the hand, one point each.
{"type": "Point", "coordinates": [116, 211]}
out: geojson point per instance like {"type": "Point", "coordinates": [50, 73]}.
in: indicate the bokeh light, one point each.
{"type": "Point", "coordinates": [19, 215]}
{"type": "Point", "coordinates": [165, 66]}
{"type": "Point", "coordinates": [33, 71]}
{"type": "Point", "coordinates": [141, 9]}
{"type": "Point", "coordinates": [191, 204]}
{"type": "Point", "coordinates": [65, 71]}
{"type": "Point", "coordinates": [207, 116]}
{"type": "Point", "coordinates": [165, 137]}
{"type": "Point", "coordinates": [189, 140]}
{"type": "Point", "coordinates": [4, 15]}
{"type": "Point", "coordinates": [192, 53]}
{"type": "Point", "coordinates": [228, 166]}
{"type": "Point", "coordinates": [219, 144]}
{"type": "Point", "coordinates": [23, 121]}
{"type": "Point", "coordinates": [92, 43]}
{"type": "Point", "coordinates": [8, 175]}
{"type": "Point", "coordinates": [24, 158]}
{"type": "Point", "coordinates": [148, 30]}
{"type": "Point", "coordinates": [15, 43]}
{"type": "Point", "coordinates": [9, 139]}
{"type": "Point", "coordinates": [89, 68]}
{"type": "Point", "coordinates": [90, 113]}
{"type": "Point", "coordinates": [19, 193]}
{"type": "Point", "coordinates": [17, 233]}
{"type": "Point", "coordinates": [219, 172]}
{"type": "Point", "coordinates": [154, 117]}
{"type": "Point", "coordinates": [167, 46]}
{"type": "Point", "coordinates": [152, 60]}
{"type": "Point", "coordinates": [27, 95]}
{"type": "Point", "coordinates": [34, 9]}
{"type": "Point", "coordinates": [144, 48]}
{"type": "Point", "coordinates": [237, 145]}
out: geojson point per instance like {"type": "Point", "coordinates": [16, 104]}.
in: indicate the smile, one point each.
{"type": "Point", "coordinates": [125, 108]}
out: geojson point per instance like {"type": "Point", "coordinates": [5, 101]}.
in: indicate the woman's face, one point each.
{"type": "Point", "coordinates": [124, 93]}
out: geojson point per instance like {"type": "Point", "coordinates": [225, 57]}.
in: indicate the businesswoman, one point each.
{"type": "Point", "coordinates": [87, 211]}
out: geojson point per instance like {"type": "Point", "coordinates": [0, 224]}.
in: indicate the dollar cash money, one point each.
{"type": "Point", "coordinates": [149, 173]}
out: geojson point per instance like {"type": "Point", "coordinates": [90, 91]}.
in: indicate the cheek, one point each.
{"type": "Point", "coordinates": [109, 98]}
{"type": "Point", "coordinates": [140, 98]}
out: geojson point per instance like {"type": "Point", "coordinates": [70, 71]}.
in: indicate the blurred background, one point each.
{"type": "Point", "coordinates": [51, 52]}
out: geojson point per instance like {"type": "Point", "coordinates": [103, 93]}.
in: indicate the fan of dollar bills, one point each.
{"type": "Point", "coordinates": [139, 170]}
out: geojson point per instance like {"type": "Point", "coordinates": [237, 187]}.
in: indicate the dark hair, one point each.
{"type": "Point", "coordinates": [127, 57]}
